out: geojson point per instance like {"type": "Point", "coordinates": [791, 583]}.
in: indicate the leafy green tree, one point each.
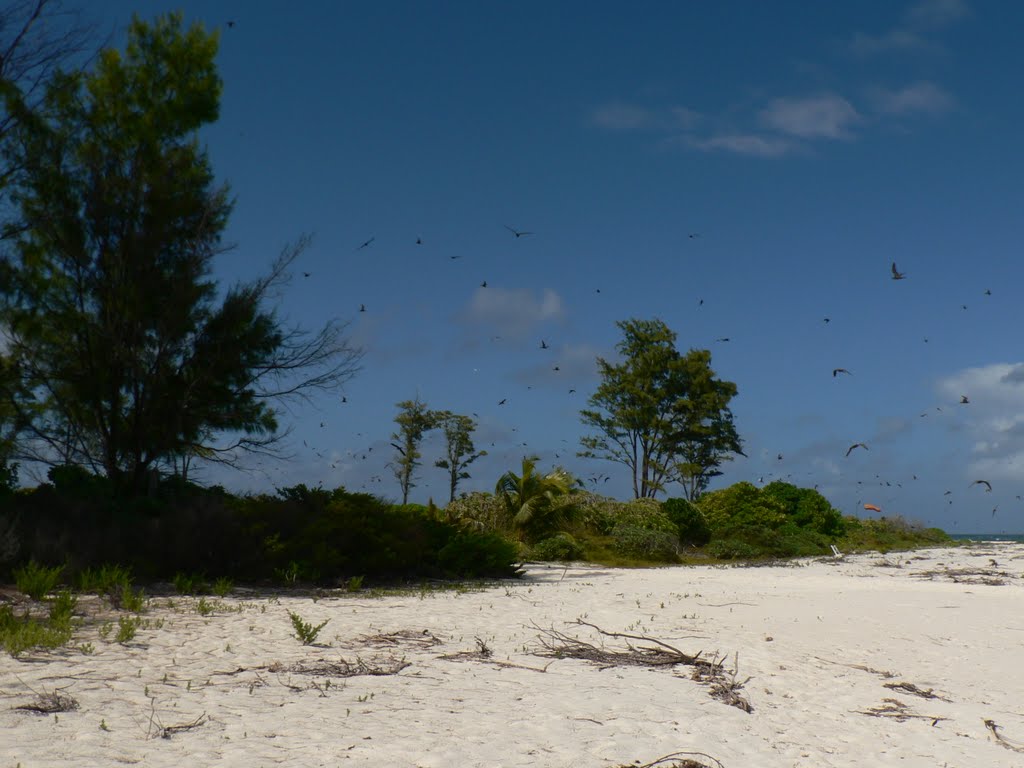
{"type": "Point", "coordinates": [529, 498]}
{"type": "Point", "coordinates": [741, 505]}
{"type": "Point", "coordinates": [459, 449]}
{"type": "Point", "coordinates": [414, 420]}
{"type": "Point", "coordinates": [806, 507]}
{"type": "Point", "coordinates": [125, 358]}
{"type": "Point", "coordinates": [661, 414]}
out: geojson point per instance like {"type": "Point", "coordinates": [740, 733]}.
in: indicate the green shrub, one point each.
{"type": "Point", "coordinates": [689, 521]}
{"type": "Point", "coordinates": [305, 632]}
{"type": "Point", "coordinates": [806, 508]}
{"type": "Point", "coordinates": [561, 546]}
{"type": "Point", "coordinates": [62, 608]}
{"type": "Point", "coordinates": [740, 505]}
{"type": "Point", "coordinates": [473, 555]}
{"type": "Point", "coordinates": [127, 626]}
{"type": "Point", "coordinates": [222, 586]}
{"type": "Point", "coordinates": [105, 580]}
{"type": "Point", "coordinates": [732, 549]}
{"type": "Point", "coordinates": [646, 544]}
{"type": "Point", "coordinates": [36, 580]}
{"type": "Point", "coordinates": [21, 633]}
{"type": "Point", "coordinates": [190, 584]}
{"type": "Point", "coordinates": [591, 511]}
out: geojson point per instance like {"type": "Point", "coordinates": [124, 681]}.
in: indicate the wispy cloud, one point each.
{"type": "Point", "coordinates": [826, 116]}
{"type": "Point", "coordinates": [994, 417]}
{"type": "Point", "coordinates": [618, 116]}
{"type": "Point", "coordinates": [918, 97]}
{"type": "Point", "coordinates": [742, 144]}
{"type": "Point", "coordinates": [512, 313]}
{"type": "Point", "coordinates": [921, 19]}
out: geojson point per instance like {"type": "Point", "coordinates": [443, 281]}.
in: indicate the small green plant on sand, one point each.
{"type": "Point", "coordinates": [222, 586]}
{"type": "Point", "coordinates": [354, 584]}
{"type": "Point", "coordinates": [36, 580]}
{"type": "Point", "coordinates": [204, 607]}
{"type": "Point", "coordinates": [127, 626]}
{"type": "Point", "coordinates": [304, 631]}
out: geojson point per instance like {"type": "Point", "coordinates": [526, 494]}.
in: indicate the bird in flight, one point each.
{"type": "Point", "coordinates": [964, 400]}
{"type": "Point", "coordinates": [896, 274]}
{"type": "Point", "coordinates": [366, 244]}
{"type": "Point", "coordinates": [988, 292]}
{"type": "Point", "coordinates": [723, 338]}
{"type": "Point", "coordinates": [503, 401]}
{"type": "Point", "coordinates": [837, 371]}
{"type": "Point", "coordinates": [986, 483]}
{"type": "Point", "coordinates": [856, 445]}
{"type": "Point", "coordinates": [694, 235]}
{"type": "Point", "coordinates": [516, 232]}
{"type": "Point", "coordinates": [306, 274]}
{"type": "Point", "coordinates": [826, 320]}
{"type": "Point", "coordinates": [362, 307]}
{"type": "Point", "coordinates": [483, 284]}
{"type": "Point", "coordinates": [419, 241]}
{"type": "Point", "coordinates": [544, 344]}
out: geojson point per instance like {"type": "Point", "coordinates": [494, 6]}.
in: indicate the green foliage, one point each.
{"type": "Point", "coordinates": [646, 543]}
{"type": "Point", "coordinates": [661, 414]}
{"type": "Point", "coordinates": [477, 511]}
{"type": "Point", "coordinates": [733, 549]}
{"type": "Point", "coordinates": [354, 584]}
{"type": "Point", "coordinates": [22, 633]}
{"type": "Point", "coordinates": [62, 608]}
{"type": "Point", "coordinates": [459, 449]}
{"type": "Point", "coordinates": [888, 533]}
{"type": "Point", "coordinates": [36, 580]}
{"type": "Point", "coordinates": [561, 546]}
{"type": "Point", "coordinates": [128, 599]}
{"type": "Point", "coordinates": [529, 499]}
{"type": "Point", "coordinates": [472, 555]}
{"type": "Point", "coordinates": [738, 506]}
{"type": "Point", "coordinates": [646, 514]}
{"type": "Point", "coordinates": [305, 632]}
{"type": "Point", "coordinates": [127, 627]}
{"type": "Point", "coordinates": [689, 521]}
{"type": "Point", "coordinates": [222, 586]}
{"type": "Point", "coordinates": [104, 580]}
{"type": "Point", "coordinates": [414, 420]}
{"type": "Point", "coordinates": [806, 508]}
{"type": "Point", "coordinates": [190, 584]}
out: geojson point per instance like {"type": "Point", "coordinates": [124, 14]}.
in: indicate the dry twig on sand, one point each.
{"type": "Point", "coordinates": [724, 685]}
{"type": "Point", "coordinates": [676, 760]}
{"type": "Point", "coordinates": [422, 639]}
{"type": "Point", "coordinates": [343, 668]}
{"type": "Point", "coordinates": [898, 711]}
{"type": "Point", "coordinates": [50, 703]}
{"type": "Point", "coordinates": [915, 691]}
{"type": "Point", "coordinates": [992, 726]}
{"type": "Point", "coordinates": [165, 732]}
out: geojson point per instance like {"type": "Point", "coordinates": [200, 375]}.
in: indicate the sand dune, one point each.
{"type": "Point", "coordinates": [869, 660]}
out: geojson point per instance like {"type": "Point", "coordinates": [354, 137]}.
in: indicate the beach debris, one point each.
{"type": "Point", "coordinates": [50, 703]}
{"type": "Point", "coordinates": [378, 667]}
{"type": "Point", "coordinates": [915, 690]}
{"type": "Point", "coordinates": [898, 711]}
{"type": "Point", "coordinates": [678, 760]}
{"type": "Point", "coordinates": [724, 684]}
{"type": "Point", "coordinates": [984, 576]}
{"type": "Point", "coordinates": [422, 638]}
{"type": "Point", "coordinates": [994, 727]}
{"type": "Point", "coordinates": [483, 651]}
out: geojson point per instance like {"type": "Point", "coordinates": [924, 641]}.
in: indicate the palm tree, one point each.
{"type": "Point", "coordinates": [529, 498]}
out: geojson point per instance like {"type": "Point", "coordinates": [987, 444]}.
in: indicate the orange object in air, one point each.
{"type": "Point", "coordinates": [872, 507]}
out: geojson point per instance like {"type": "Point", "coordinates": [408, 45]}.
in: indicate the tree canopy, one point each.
{"type": "Point", "coordinates": [124, 359]}
{"type": "Point", "coordinates": [662, 414]}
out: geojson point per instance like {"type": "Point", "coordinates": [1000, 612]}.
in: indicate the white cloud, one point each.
{"type": "Point", "coordinates": [513, 313]}
{"type": "Point", "coordinates": [936, 13]}
{"type": "Point", "coordinates": [918, 97]}
{"type": "Point", "coordinates": [994, 417]}
{"type": "Point", "coordinates": [742, 144]}
{"type": "Point", "coordinates": [622, 117]}
{"type": "Point", "coordinates": [826, 116]}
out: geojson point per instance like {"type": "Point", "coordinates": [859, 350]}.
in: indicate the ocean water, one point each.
{"type": "Point", "coordinates": [988, 537]}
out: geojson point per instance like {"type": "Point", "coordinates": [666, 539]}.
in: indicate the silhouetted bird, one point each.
{"type": "Point", "coordinates": [362, 307]}
{"type": "Point", "coordinates": [419, 241]}
{"type": "Point", "coordinates": [837, 371]}
{"type": "Point", "coordinates": [723, 338]}
{"type": "Point", "coordinates": [306, 274]}
{"type": "Point", "coordinates": [986, 483]}
{"type": "Point", "coordinates": [231, 24]}
{"type": "Point", "coordinates": [896, 274]}
{"type": "Point", "coordinates": [855, 445]}
{"type": "Point", "coordinates": [483, 284]}
{"type": "Point", "coordinates": [366, 244]}
{"type": "Point", "coordinates": [694, 235]}
{"type": "Point", "coordinates": [827, 320]}
{"type": "Point", "coordinates": [516, 232]}
{"type": "Point", "coordinates": [964, 400]}
{"type": "Point", "coordinates": [503, 401]}
{"type": "Point", "coordinates": [544, 344]}
{"type": "Point", "coordinates": [988, 292]}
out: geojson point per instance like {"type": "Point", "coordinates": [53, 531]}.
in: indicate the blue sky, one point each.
{"type": "Point", "coordinates": [809, 145]}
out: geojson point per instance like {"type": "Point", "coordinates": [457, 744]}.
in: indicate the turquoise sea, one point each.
{"type": "Point", "coordinates": [988, 536]}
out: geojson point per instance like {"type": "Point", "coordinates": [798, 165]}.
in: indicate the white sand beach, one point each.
{"type": "Point", "coordinates": [869, 660]}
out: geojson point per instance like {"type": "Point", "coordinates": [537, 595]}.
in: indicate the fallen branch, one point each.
{"type": "Point", "coordinates": [991, 725]}
{"type": "Point", "coordinates": [915, 691]}
{"type": "Point", "coordinates": [724, 686]}
{"type": "Point", "coordinates": [686, 762]}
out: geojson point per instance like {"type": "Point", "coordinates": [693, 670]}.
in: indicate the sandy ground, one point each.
{"type": "Point", "coordinates": [871, 660]}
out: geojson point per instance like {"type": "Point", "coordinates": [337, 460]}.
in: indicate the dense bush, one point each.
{"type": "Point", "coordinates": [689, 521]}
{"type": "Point", "coordinates": [740, 505]}
{"type": "Point", "coordinates": [646, 543]}
{"type": "Point", "coordinates": [888, 533]}
{"type": "Point", "coordinates": [732, 549]}
{"type": "Point", "coordinates": [646, 514]}
{"type": "Point", "coordinates": [479, 511]}
{"type": "Point", "coordinates": [561, 546]}
{"type": "Point", "coordinates": [806, 507]}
